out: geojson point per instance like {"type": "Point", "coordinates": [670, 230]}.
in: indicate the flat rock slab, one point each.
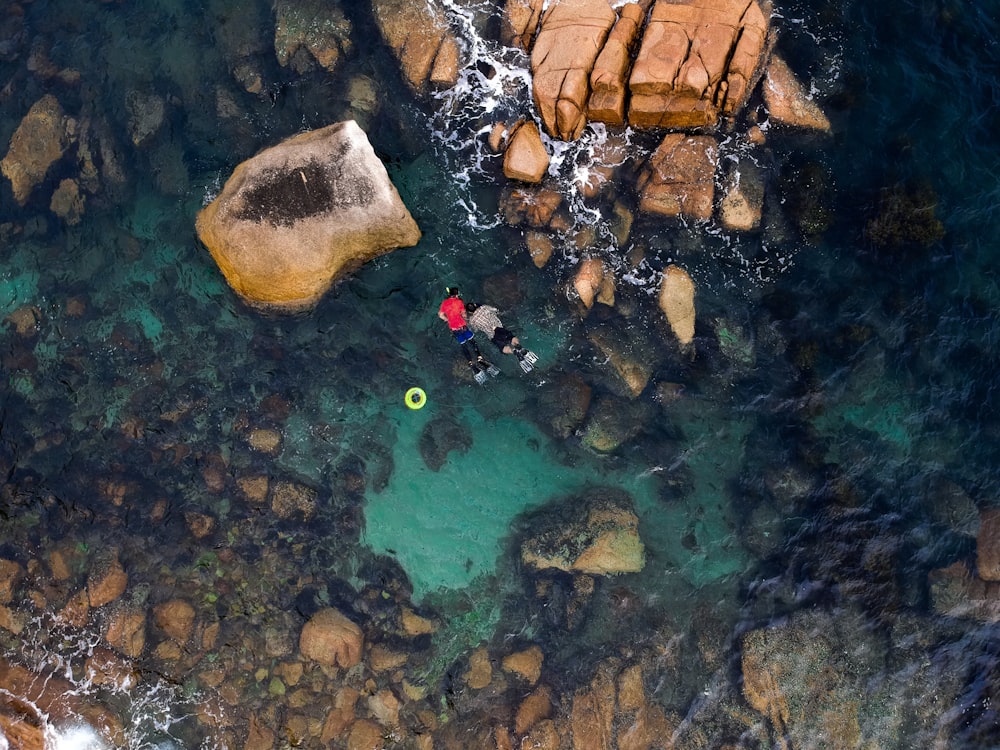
{"type": "Point", "coordinates": [298, 216]}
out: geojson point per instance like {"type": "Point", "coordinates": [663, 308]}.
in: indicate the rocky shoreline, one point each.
{"type": "Point", "coordinates": [233, 595]}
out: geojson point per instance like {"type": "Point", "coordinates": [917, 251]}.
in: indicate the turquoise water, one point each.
{"type": "Point", "coordinates": [837, 384]}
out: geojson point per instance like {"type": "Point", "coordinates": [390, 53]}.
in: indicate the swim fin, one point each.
{"type": "Point", "coordinates": [481, 377]}
{"type": "Point", "coordinates": [525, 365]}
{"type": "Point", "coordinates": [530, 357]}
{"type": "Point", "coordinates": [492, 369]}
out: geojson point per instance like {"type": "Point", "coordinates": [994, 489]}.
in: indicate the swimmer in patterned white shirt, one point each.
{"type": "Point", "coordinates": [486, 318]}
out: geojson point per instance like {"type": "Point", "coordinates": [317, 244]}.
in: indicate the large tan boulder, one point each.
{"type": "Point", "coordinates": [40, 141]}
{"type": "Point", "coordinates": [572, 34]}
{"type": "Point", "coordinates": [330, 639]}
{"type": "Point", "coordinates": [677, 303]}
{"type": "Point", "coordinates": [679, 178]}
{"type": "Point", "coordinates": [424, 43]}
{"type": "Point", "coordinates": [787, 100]}
{"type": "Point", "coordinates": [696, 60]}
{"type": "Point", "coordinates": [296, 217]}
{"type": "Point", "coordinates": [609, 78]}
{"type": "Point", "coordinates": [526, 158]}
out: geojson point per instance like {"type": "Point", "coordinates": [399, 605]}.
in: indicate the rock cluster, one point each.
{"type": "Point", "coordinates": [686, 67]}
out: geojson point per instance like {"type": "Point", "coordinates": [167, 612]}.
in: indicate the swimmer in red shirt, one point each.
{"type": "Point", "coordinates": [452, 311]}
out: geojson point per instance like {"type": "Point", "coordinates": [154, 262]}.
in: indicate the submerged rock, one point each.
{"type": "Point", "coordinates": [601, 539]}
{"type": "Point", "coordinates": [677, 303]}
{"type": "Point", "coordinates": [562, 404]}
{"type": "Point", "coordinates": [298, 216]}
{"type": "Point", "coordinates": [829, 680]}
{"type": "Point", "coordinates": [330, 639]}
{"type": "Point", "coordinates": [679, 178]}
{"type": "Point", "coordinates": [42, 139]}
{"type": "Point", "coordinates": [788, 102]}
{"type": "Point", "coordinates": [310, 32]}
{"type": "Point", "coordinates": [440, 437]}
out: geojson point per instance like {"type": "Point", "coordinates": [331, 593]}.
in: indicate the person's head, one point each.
{"type": "Point", "coordinates": [470, 307]}
{"type": "Point", "coordinates": [451, 291]}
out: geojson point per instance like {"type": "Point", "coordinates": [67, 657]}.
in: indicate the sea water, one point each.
{"type": "Point", "coordinates": [855, 370]}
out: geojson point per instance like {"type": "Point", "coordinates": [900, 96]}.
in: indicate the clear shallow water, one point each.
{"type": "Point", "coordinates": [872, 378]}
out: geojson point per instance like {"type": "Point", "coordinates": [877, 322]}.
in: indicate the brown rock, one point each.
{"type": "Point", "coordinates": [107, 580]}
{"type": "Point", "coordinates": [497, 139]}
{"type": "Point", "coordinates": [318, 29]}
{"type": "Point", "coordinates": [384, 707]}
{"type": "Point", "coordinates": [608, 80]}
{"type": "Point", "coordinates": [480, 671]}
{"type": "Point", "coordinates": [540, 247]}
{"type": "Point", "coordinates": [742, 204]}
{"type": "Point", "coordinates": [414, 624]}
{"type": "Point", "coordinates": [259, 736]}
{"type": "Point", "coordinates": [695, 59]}
{"type": "Point", "coordinates": [626, 359]}
{"type": "Point", "coordinates": [126, 631]}
{"type": "Point", "coordinates": [341, 715]}
{"type": "Point", "coordinates": [289, 499]}
{"type": "Point", "coordinates": [330, 639]}
{"type": "Point", "coordinates": [175, 618]}
{"type": "Point", "coordinates": [534, 708]}
{"type": "Point", "coordinates": [604, 542]}
{"type": "Point", "coordinates": [366, 735]}
{"type": "Point", "coordinates": [588, 280]}
{"type": "Point", "coordinates": [526, 158]}
{"type": "Point", "coordinates": [12, 620]}
{"type": "Point", "coordinates": [67, 203]}
{"type": "Point", "coordinates": [788, 102]}
{"type": "Point", "coordinates": [420, 36]}
{"type": "Point", "coordinates": [382, 659]}
{"type": "Point", "coordinates": [988, 545]}
{"type": "Point", "coordinates": [519, 22]}
{"type": "Point", "coordinates": [679, 178]}
{"type": "Point", "coordinates": [677, 303]}
{"type": "Point", "coordinates": [294, 218]}
{"type": "Point", "coordinates": [592, 714]}
{"type": "Point", "coordinates": [264, 440]}
{"type": "Point", "coordinates": [11, 573]}
{"type": "Point", "coordinates": [254, 488]}
{"type": "Point", "coordinates": [534, 206]}
{"type": "Point", "coordinates": [105, 667]}
{"type": "Point", "coordinates": [526, 664]}
{"type": "Point", "coordinates": [200, 525]}
{"type": "Point", "coordinates": [543, 736]}
{"type": "Point", "coordinates": [571, 35]}
{"type": "Point", "coordinates": [25, 320]}
{"type": "Point", "coordinates": [76, 612]}
{"type": "Point", "coordinates": [41, 139]}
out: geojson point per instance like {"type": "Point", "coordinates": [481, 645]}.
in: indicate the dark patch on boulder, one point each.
{"type": "Point", "coordinates": [310, 189]}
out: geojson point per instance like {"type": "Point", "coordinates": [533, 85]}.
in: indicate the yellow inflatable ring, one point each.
{"type": "Point", "coordinates": [415, 398]}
